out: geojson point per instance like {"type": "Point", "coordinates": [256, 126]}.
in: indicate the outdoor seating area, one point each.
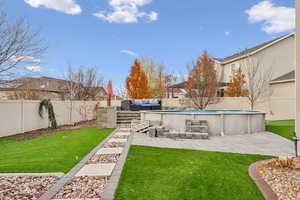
{"type": "Point", "coordinates": [141, 104]}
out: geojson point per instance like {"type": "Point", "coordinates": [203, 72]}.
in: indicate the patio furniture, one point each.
{"type": "Point", "coordinates": [141, 104]}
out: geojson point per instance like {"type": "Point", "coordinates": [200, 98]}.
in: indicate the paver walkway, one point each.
{"type": "Point", "coordinates": [264, 143]}
{"type": "Point", "coordinates": [91, 179]}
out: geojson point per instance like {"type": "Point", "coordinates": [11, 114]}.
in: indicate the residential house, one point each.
{"type": "Point", "coordinates": [276, 57]}
{"type": "Point", "coordinates": [41, 88]}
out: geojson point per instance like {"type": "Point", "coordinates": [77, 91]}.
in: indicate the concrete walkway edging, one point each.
{"type": "Point", "coordinates": [262, 185]}
{"type": "Point", "coordinates": [67, 177]}
{"type": "Point", "coordinates": [111, 187]}
{"type": "Point", "coordinates": [56, 174]}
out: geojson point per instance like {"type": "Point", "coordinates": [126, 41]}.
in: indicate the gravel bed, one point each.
{"type": "Point", "coordinates": [104, 158]}
{"type": "Point", "coordinates": [25, 187]}
{"type": "Point", "coordinates": [82, 187]}
{"type": "Point", "coordinates": [114, 144]}
{"type": "Point", "coordinates": [285, 182]}
{"type": "Point", "coordinates": [120, 136]}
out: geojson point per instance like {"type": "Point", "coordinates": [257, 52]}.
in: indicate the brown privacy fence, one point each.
{"type": "Point", "coordinates": [22, 115]}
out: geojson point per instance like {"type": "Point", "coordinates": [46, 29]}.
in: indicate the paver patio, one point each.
{"type": "Point", "coordinates": [264, 143]}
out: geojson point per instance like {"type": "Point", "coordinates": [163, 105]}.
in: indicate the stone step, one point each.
{"type": "Point", "coordinates": [137, 118]}
{"type": "Point", "coordinates": [134, 115]}
{"type": "Point", "coordinates": [103, 169]}
{"type": "Point", "coordinates": [123, 122]}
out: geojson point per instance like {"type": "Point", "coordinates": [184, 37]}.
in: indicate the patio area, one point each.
{"type": "Point", "coordinates": [264, 143]}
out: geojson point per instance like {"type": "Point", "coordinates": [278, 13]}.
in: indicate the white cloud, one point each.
{"type": "Point", "coordinates": [36, 68]}
{"type": "Point", "coordinates": [227, 33]}
{"type": "Point", "coordinates": [128, 52]}
{"type": "Point", "coordinates": [25, 59]}
{"type": "Point", "coordinates": [66, 6]}
{"type": "Point", "coordinates": [126, 11]}
{"type": "Point", "coordinates": [276, 19]}
{"type": "Point", "coordinates": [153, 16]}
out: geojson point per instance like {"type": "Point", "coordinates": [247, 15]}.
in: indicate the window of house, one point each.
{"type": "Point", "coordinates": [234, 67]}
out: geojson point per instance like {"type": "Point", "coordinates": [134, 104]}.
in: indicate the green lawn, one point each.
{"type": "Point", "coordinates": [284, 128]}
{"type": "Point", "coordinates": [174, 174]}
{"type": "Point", "coordinates": [56, 152]}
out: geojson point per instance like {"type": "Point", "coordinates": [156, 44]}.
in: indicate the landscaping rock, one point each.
{"type": "Point", "coordinates": [114, 144]}
{"type": "Point", "coordinates": [104, 158]}
{"type": "Point", "coordinates": [25, 187]}
{"type": "Point", "coordinates": [285, 182]}
{"type": "Point", "coordinates": [120, 136]}
{"type": "Point", "coordinates": [82, 187]}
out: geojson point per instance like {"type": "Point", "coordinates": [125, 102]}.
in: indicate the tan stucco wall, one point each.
{"type": "Point", "coordinates": [286, 90]}
{"type": "Point", "coordinates": [280, 57]}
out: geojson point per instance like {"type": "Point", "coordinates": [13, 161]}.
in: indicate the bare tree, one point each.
{"type": "Point", "coordinates": [19, 46]}
{"type": "Point", "coordinates": [72, 87]}
{"type": "Point", "coordinates": [84, 84]}
{"type": "Point", "coordinates": [202, 84]}
{"type": "Point", "coordinates": [257, 79]}
{"type": "Point", "coordinates": [121, 92]}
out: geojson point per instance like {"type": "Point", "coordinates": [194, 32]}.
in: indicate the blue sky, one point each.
{"type": "Point", "coordinates": [110, 33]}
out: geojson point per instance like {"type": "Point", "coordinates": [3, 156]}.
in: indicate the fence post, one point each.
{"type": "Point", "coordinates": [71, 110]}
{"type": "Point", "coordinates": [22, 116]}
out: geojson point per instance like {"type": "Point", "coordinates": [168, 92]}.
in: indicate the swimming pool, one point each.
{"type": "Point", "coordinates": [220, 122]}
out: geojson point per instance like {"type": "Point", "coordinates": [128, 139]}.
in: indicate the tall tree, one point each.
{"type": "Point", "coordinates": [202, 84]}
{"type": "Point", "coordinates": [19, 47]}
{"type": "Point", "coordinates": [258, 77]}
{"type": "Point", "coordinates": [137, 83]}
{"type": "Point", "coordinates": [236, 86]}
{"type": "Point", "coordinates": [83, 84]}
{"type": "Point", "coordinates": [158, 78]}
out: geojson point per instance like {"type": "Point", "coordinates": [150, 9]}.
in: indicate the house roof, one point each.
{"type": "Point", "coordinates": [41, 83]}
{"type": "Point", "coordinates": [285, 78]}
{"type": "Point", "coordinates": [254, 49]}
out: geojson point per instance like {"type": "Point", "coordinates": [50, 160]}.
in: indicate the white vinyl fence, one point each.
{"type": "Point", "coordinates": [22, 115]}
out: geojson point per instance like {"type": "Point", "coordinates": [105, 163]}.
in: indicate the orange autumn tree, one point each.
{"type": "Point", "coordinates": [235, 87]}
{"type": "Point", "coordinates": [202, 84]}
{"type": "Point", "coordinates": [137, 83]}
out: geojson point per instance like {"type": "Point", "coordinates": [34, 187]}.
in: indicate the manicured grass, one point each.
{"type": "Point", "coordinates": [284, 128]}
{"type": "Point", "coordinates": [56, 152]}
{"type": "Point", "coordinates": [174, 174]}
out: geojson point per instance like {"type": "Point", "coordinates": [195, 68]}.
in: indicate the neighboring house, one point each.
{"type": "Point", "coordinates": [277, 56]}
{"type": "Point", "coordinates": [178, 91]}
{"type": "Point", "coordinates": [41, 88]}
